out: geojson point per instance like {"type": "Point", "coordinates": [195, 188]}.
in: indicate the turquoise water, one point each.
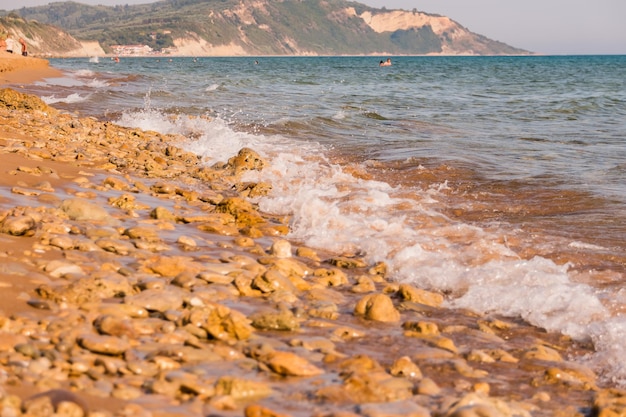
{"type": "Point", "coordinates": [497, 180]}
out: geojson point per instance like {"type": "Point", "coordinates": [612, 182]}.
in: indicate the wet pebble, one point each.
{"type": "Point", "coordinates": [157, 299]}
{"type": "Point", "coordinates": [18, 226]}
{"type": "Point", "coordinates": [377, 307]}
{"type": "Point", "coordinates": [81, 209]}
{"type": "Point", "coordinates": [288, 363]}
{"type": "Point", "coordinates": [107, 345]}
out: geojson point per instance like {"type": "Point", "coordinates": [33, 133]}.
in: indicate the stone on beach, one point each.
{"type": "Point", "coordinates": [81, 209]}
{"type": "Point", "coordinates": [59, 401]}
{"type": "Point", "coordinates": [157, 299]}
{"type": "Point", "coordinates": [281, 249]}
{"type": "Point", "coordinates": [411, 293]}
{"type": "Point", "coordinates": [405, 367]}
{"type": "Point", "coordinates": [82, 290]}
{"type": "Point", "coordinates": [240, 389]}
{"type": "Point", "coordinates": [275, 320]}
{"type": "Point", "coordinates": [290, 364]}
{"type": "Point", "coordinates": [477, 405]}
{"type": "Point", "coordinates": [108, 345]}
{"type": "Point", "coordinates": [221, 322]}
{"type": "Point", "coordinates": [377, 307]}
{"type": "Point", "coordinates": [245, 160]}
{"type": "Point", "coordinates": [12, 99]}
{"type": "Point", "coordinates": [18, 226]}
{"type": "Point", "coordinates": [243, 211]}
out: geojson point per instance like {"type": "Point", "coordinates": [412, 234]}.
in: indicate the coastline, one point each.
{"type": "Point", "coordinates": [175, 271]}
{"type": "Point", "coordinates": [16, 69]}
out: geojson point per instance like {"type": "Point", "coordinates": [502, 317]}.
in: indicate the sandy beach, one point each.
{"type": "Point", "coordinates": [137, 281]}
{"type": "Point", "coordinates": [15, 69]}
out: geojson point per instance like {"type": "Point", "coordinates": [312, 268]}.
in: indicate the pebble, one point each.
{"type": "Point", "coordinates": [157, 299]}
{"type": "Point", "coordinates": [18, 226]}
{"type": "Point", "coordinates": [59, 401]}
{"type": "Point", "coordinates": [290, 364]}
{"type": "Point", "coordinates": [275, 320]}
{"type": "Point", "coordinates": [81, 209]}
{"type": "Point", "coordinates": [377, 307]}
{"type": "Point", "coordinates": [281, 249]}
{"type": "Point", "coordinates": [107, 345]}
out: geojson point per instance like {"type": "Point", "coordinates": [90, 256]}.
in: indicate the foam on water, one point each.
{"type": "Point", "coordinates": [215, 141]}
{"type": "Point", "coordinates": [84, 73]}
{"type": "Point", "coordinates": [95, 83]}
{"type": "Point", "coordinates": [65, 81]}
{"type": "Point", "coordinates": [72, 98]}
{"type": "Point", "coordinates": [334, 210]}
{"type": "Point", "coordinates": [76, 79]}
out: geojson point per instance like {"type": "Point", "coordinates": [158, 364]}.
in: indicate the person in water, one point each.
{"type": "Point", "coordinates": [385, 63]}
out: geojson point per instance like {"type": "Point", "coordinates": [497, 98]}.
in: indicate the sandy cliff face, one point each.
{"type": "Point", "coordinates": [87, 48]}
{"type": "Point", "coordinates": [192, 46]}
{"type": "Point", "coordinates": [457, 40]}
{"type": "Point", "coordinates": [402, 20]}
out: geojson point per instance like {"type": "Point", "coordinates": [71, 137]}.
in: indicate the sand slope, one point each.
{"type": "Point", "coordinates": [15, 69]}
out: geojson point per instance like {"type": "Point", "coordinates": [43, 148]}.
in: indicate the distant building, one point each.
{"type": "Point", "coordinates": [131, 49]}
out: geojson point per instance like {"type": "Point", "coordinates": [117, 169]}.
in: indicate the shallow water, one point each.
{"type": "Point", "coordinates": [497, 180]}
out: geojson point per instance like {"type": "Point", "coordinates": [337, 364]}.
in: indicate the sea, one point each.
{"type": "Point", "coordinates": [497, 181]}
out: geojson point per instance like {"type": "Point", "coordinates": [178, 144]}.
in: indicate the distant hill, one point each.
{"type": "Point", "coordinates": [45, 39]}
{"type": "Point", "coordinates": [257, 27]}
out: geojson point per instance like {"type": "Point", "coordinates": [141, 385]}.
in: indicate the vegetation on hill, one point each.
{"type": "Point", "coordinates": [256, 27]}
{"type": "Point", "coordinates": [39, 35]}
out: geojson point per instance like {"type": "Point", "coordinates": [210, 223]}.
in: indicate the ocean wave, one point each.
{"type": "Point", "coordinates": [70, 99]}
{"type": "Point", "coordinates": [84, 73]}
{"type": "Point", "coordinates": [96, 83]}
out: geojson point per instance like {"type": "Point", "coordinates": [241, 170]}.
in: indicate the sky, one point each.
{"type": "Point", "coordinates": [553, 27]}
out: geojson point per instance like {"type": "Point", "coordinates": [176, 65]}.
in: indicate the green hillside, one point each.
{"type": "Point", "coordinates": [259, 27]}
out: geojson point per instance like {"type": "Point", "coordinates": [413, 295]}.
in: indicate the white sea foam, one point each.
{"type": "Point", "coordinates": [333, 210]}
{"type": "Point", "coordinates": [584, 245]}
{"type": "Point", "coordinates": [65, 81]}
{"type": "Point", "coordinates": [79, 78]}
{"type": "Point", "coordinates": [95, 83]}
{"type": "Point", "coordinates": [608, 339]}
{"type": "Point", "coordinates": [72, 98]}
{"type": "Point", "coordinates": [85, 73]}
{"type": "Point", "coordinates": [213, 139]}
{"type": "Point", "coordinates": [340, 115]}
{"type": "Point", "coordinates": [87, 77]}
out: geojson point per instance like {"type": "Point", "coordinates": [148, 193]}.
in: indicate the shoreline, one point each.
{"type": "Point", "coordinates": [184, 299]}
{"type": "Point", "coordinates": [16, 69]}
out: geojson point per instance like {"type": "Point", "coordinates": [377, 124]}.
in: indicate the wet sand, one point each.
{"type": "Point", "coordinates": [136, 281]}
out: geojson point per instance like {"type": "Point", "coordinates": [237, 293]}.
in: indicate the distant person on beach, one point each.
{"type": "Point", "coordinates": [385, 63]}
{"type": "Point", "coordinates": [24, 47]}
{"type": "Point", "coordinates": [10, 44]}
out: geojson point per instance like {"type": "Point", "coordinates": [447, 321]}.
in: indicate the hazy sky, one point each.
{"type": "Point", "coordinates": [542, 26]}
